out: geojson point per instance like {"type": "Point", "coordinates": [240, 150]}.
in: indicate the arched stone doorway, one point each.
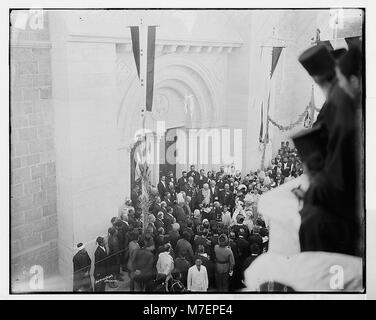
{"type": "Point", "coordinates": [184, 98]}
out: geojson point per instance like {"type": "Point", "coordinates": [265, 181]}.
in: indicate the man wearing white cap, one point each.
{"type": "Point", "coordinates": [81, 270]}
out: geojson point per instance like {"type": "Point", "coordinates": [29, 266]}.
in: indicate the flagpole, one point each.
{"type": "Point", "coordinates": [143, 121]}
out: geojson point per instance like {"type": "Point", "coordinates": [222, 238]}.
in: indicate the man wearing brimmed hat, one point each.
{"type": "Point", "coordinates": [224, 263]}
{"type": "Point", "coordinates": [81, 270]}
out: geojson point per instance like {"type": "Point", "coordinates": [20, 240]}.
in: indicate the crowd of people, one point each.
{"type": "Point", "coordinates": [202, 232]}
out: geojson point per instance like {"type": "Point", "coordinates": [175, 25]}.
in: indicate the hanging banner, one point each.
{"type": "Point", "coordinates": [135, 35]}
{"type": "Point", "coordinates": [262, 123]}
{"type": "Point", "coordinates": [276, 53]}
{"type": "Point", "coordinates": [150, 67]}
{"type": "Point", "coordinates": [143, 47]}
{"type": "Point", "coordinates": [267, 123]}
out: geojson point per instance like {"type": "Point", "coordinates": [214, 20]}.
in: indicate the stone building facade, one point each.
{"type": "Point", "coordinates": [33, 159]}
{"type": "Point", "coordinates": [75, 108]}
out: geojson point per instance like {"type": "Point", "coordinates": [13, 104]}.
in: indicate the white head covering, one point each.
{"type": "Point", "coordinates": [180, 198]}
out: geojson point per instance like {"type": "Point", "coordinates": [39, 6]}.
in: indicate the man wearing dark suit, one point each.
{"type": "Point", "coordinates": [156, 206]}
{"type": "Point", "coordinates": [171, 178]}
{"type": "Point", "coordinates": [221, 182]}
{"type": "Point", "coordinates": [123, 229]}
{"type": "Point", "coordinates": [169, 201]}
{"type": "Point", "coordinates": [134, 196]}
{"type": "Point", "coordinates": [159, 221]}
{"type": "Point", "coordinates": [221, 172]}
{"type": "Point", "coordinates": [100, 266]}
{"type": "Point", "coordinates": [172, 191]}
{"type": "Point", "coordinates": [162, 187]}
{"type": "Point", "coordinates": [81, 270]}
{"type": "Point", "coordinates": [179, 213]}
{"type": "Point", "coordinates": [191, 191]}
{"type": "Point", "coordinates": [182, 180]}
{"type": "Point", "coordinates": [202, 179]}
{"type": "Point", "coordinates": [193, 173]}
{"type": "Point", "coordinates": [226, 197]}
{"type": "Point", "coordinates": [214, 192]}
{"type": "Point", "coordinates": [168, 220]}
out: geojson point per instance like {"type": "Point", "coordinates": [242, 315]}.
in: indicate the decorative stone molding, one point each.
{"type": "Point", "coordinates": [164, 46]}
{"type": "Point", "coordinates": [31, 44]}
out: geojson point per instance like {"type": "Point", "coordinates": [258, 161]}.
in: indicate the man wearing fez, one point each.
{"type": "Point", "coordinates": [81, 270]}
{"type": "Point", "coordinates": [334, 189]}
{"type": "Point", "coordinates": [100, 266]}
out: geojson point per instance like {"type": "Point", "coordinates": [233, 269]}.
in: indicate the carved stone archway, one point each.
{"type": "Point", "coordinates": [177, 79]}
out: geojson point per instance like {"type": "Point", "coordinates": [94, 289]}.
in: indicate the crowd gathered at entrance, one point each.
{"type": "Point", "coordinates": [203, 230]}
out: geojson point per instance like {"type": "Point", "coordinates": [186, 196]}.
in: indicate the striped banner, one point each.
{"type": "Point", "coordinates": [143, 47]}
{"type": "Point", "coordinates": [135, 34]}
{"type": "Point", "coordinates": [150, 67]}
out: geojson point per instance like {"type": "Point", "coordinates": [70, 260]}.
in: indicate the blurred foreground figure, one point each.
{"type": "Point", "coordinates": [314, 219]}
{"type": "Point", "coordinates": [330, 217]}
{"type": "Point", "coordinates": [349, 71]}
{"type": "Point", "coordinates": [81, 269]}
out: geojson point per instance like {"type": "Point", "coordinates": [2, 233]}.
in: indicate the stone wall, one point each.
{"type": "Point", "coordinates": [33, 168]}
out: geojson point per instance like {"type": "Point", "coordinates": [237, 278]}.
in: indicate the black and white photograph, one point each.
{"type": "Point", "coordinates": [188, 151]}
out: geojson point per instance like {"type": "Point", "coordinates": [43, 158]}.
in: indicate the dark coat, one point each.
{"type": "Point", "coordinates": [214, 194]}
{"type": "Point", "coordinates": [181, 182]}
{"type": "Point", "coordinates": [158, 224]}
{"type": "Point", "coordinates": [173, 237]}
{"type": "Point", "coordinates": [201, 181]}
{"type": "Point", "coordinates": [162, 189]}
{"type": "Point", "coordinates": [114, 254]}
{"type": "Point", "coordinates": [330, 202]}
{"type": "Point", "coordinates": [81, 271]}
{"type": "Point", "coordinates": [143, 261]}
{"type": "Point", "coordinates": [179, 213]}
{"type": "Point", "coordinates": [100, 264]}
{"type": "Point", "coordinates": [227, 198]}
{"type": "Point", "coordinates": [194, 174]}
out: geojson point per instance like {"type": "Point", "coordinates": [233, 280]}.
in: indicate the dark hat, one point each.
{"type": "Point", "coordinates": [351, 62]}
{"type": "Point", "coordinates": [100, 240]}
{"type": "Point", "coordinates": [317, 61]}
{"type": "Point", "coordinates": [309, 142]}
{"type": "Point", "coordinates": [111, 230]}
{"type": "Point", "coordinates": [118, 224]}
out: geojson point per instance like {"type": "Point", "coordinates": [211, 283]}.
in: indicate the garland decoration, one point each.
{"type": "Point", "coordinates": [293, 124]}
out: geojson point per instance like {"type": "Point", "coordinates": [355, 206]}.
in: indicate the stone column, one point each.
{"type": "Point", "coordinates": [85, 101]}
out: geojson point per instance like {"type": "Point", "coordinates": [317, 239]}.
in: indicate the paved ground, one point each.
{"type": "Point", "coordinates": [122, 285]}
